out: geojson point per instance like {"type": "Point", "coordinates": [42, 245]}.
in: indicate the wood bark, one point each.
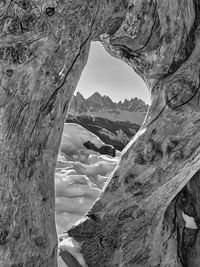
{"type": "Point", "coordinates": [41, 62]}
{"type": "Point", "coordinates": [137, 221]}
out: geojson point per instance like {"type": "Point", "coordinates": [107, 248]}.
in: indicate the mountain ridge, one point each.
{"type": "Point", "coordinates": [97, 102]}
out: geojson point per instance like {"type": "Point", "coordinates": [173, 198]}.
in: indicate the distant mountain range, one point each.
{"type": "Point", "coordinates": [96, 102]}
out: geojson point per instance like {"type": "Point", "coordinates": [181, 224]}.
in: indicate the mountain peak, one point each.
{"type": "Point", "coordinates": [97, 102]}
{"type": "Point", "coordinates": [95, 95]}
{"type": "Point", "coordinates": [80, 96]}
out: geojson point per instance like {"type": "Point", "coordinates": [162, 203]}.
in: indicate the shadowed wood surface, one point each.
{"type": "Point", "coordinates": [137, 221]}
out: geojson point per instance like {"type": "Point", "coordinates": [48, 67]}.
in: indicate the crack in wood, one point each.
{"type": "Point", "coordinates": [71, 67]}
{"type": "Point", "coordinates": [186, 102]}
{"type": "Point", "coordinates": [151, 31]}
{"type": "Point", "coordinates": [160, 113]}
{"type": "Point", "coordinates": [63, 82]}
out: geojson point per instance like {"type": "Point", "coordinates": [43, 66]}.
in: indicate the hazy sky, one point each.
{"type": "Point", "coordinates": [110, 76]}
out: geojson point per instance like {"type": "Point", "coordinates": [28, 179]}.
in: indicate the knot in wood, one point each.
{"type": "Point", "coordinates": [9, 72]}
{"type": "Point", "coordinates": [50, 11]}
{"type": "Point", "coordinates": [172, 146]}
{"type": "Point", "coordinates": [27, 23]}
{"type": "Point", "coordinates": [174, 150]}
{"type": "Point", "coordinates": [180, 92]}
{"type": "Point", "coordinates": [152, 151]}
{"type": "Point", "coordinates": [41, 241]}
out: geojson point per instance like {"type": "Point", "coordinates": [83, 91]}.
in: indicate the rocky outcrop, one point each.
{"type": "Point", "coordinates": [97, 102]}
{"type": "Point", "coordinates": [103, 150]}
{"type": "Point", "coordinates": [115, 133]}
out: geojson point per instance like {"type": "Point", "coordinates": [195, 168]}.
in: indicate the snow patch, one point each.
{"type": "Point", "coordinates": [73, 144]}
{"type": "Point", "coordinates": [189, 221]}
{"type": "Point", "coordinates": [75, 136]}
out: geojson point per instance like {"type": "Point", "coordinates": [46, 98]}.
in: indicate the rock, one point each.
{"type": "Point", "coordinates": [96, 102]}
{"type": "Point", "coordinates": [103, 150]}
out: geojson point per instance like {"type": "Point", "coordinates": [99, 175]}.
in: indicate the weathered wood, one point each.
{"type": "Point", "coordinates": [129, 225]}
{"type": "Point", "coordinates": [41, 61]}
{"type": "Point", "coordinates": [43, 48]}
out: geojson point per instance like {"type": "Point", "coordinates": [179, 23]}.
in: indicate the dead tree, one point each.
{"type": "Point", "coordinates": [138, 219]}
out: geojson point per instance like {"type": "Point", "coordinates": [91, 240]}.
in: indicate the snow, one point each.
{"type": "Point", "coordinates": [189, 221]}
{"type": "Point", "coordinates": [79, 177]}
{"type": "Point", "coordinates": [73, 138]}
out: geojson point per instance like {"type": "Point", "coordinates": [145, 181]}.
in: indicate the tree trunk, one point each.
{"type": "Point", "coordinates": [138, 220]}
{"type": "Point", "coordinates": [43, 48]}
{"type": "Point", "coordinates": [41, 62]}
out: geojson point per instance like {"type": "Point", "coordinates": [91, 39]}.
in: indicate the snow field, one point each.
{"type": "Point", "coordinates": [79, 177]}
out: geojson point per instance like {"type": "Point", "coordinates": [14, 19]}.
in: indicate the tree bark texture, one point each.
{"type": "Point", "coordinates": [137, 221]}
{"type": "Point", "coordinates": [42, 57]}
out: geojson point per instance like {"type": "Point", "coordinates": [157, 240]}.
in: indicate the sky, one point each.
{"type": "Point", "coordinates": [110, 76]}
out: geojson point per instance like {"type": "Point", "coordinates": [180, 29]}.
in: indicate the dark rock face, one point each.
{"type": "Point", "coordinates": [104, 150]}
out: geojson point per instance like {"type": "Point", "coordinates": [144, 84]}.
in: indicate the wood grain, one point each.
{"type": "Point", "coordinates": [44, 47]}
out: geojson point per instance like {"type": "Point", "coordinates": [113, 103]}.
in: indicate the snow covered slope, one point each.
{"type": "Point", "coordinates": [79, 177]}
{"type": "Point", "coordinates": [76, 140]}
{"type": "Point", "coordinates": [115, 133]}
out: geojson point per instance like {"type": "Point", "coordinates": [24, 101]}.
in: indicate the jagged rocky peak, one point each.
{"type": "Point", "coordinates": [136, 104]}
{"type": "Point", "coordinates": [125, 104]}
{"type": "Point", "coordinates": [98, 102]}
{"type": "Point", "coordinates": [95, 96]}
{"type": "Point", "coordinates": [79, 96]}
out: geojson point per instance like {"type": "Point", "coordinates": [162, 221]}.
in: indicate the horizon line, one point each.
{"type": "Point", "coordinates": [114, 101]}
